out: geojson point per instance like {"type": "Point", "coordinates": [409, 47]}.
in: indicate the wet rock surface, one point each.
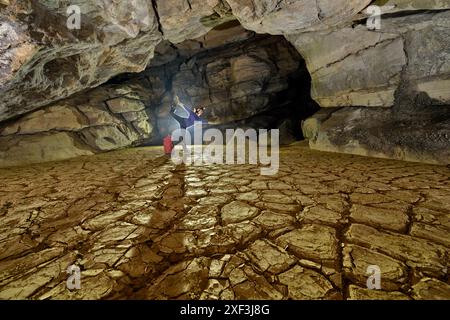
{"type": "Point", "coordinates": [139, 226]}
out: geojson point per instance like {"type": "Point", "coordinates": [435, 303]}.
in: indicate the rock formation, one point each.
{"type": "Point", "coordinates": [400, 71]}
{"type": "Point", "coordinates": [106, 118]}
{"type": "Point", "coordinates": [43, 61]}
{"type": "Point", "coordinates": [419, 135]}
{"type": "Point", "coordinates": [241, 78]}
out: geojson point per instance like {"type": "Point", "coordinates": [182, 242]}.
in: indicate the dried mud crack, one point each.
{"type": "Point", "coordinates": [140, 227]}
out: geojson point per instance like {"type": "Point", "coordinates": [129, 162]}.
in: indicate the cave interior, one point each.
{"type": "Point", "coordinates": [93, 207]}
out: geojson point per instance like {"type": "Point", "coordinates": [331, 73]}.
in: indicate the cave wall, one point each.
{"type": "Point", "coordinates": [401, 69]}
{"type": "Point", "coordinates": [410, 54]}
{"type": "Point", "coordinates": [401, 72]}
{"type": "Point", "coordinates": [43, 61]}
{"type": "Point", "coordinates": [243, 84]}
{"type": "Point", "coordinates": [236, 83]}
{"type": "Point", "coordinates": [105, 118]}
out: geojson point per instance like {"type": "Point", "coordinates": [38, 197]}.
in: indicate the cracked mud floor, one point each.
{"type": "Point", "coordinates": [140, 227]}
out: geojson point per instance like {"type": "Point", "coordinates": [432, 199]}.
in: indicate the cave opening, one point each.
{"type": "Point", "coordinates": [243, 79]}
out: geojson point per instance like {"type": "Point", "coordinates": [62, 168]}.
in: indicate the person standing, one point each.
{"type": "Point", "coordinates": [194, 115]}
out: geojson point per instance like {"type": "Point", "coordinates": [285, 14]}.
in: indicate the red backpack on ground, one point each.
{"type": "Point", "coordinates": [168, 145]}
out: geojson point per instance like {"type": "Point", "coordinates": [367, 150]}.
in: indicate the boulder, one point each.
{"type": "Point", "coordinates": [109, 137]}
{"type": "Point", "coordinates": [81, 125]}
{"type": "Point", "coordinates": [123, 105]}
{"type": "Point", "coordinates": [55, 118]}
{"type": "Point", "coordinates": [420, 136]}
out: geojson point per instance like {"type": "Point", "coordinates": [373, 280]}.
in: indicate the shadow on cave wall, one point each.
{"type": "Point", "coordinates": [288, 108]}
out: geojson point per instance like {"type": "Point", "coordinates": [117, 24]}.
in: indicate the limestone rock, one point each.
{"type": "Point", "coordinates": [342, 75]}
{"type": "Point", "coordinates": [143, 127]}
{"type": "Point", "coordinates": [311, 126]}
{"type": "Point", "coordinates": [135, 115]}
{"type": "Point", "coordinates": [21, 150]}
{"type": "Point", "coordinates": [16, 47]}
{"type": "Point", "coordinates": [98, 115]}
{"type": "Point", "coordinates": [245, 68]}
{"type": "Point", "coordinates": [428, 57]}
{"type": "Point", "coordinates": [437, 90]}
{"type": "Point", "coordinates": [404, 5]}
{"type": "Point", "coordinates": [239, 83]}
{"type": "Point", "coordinates": [181, 20]}
{"type": "Point", "coordinates": [360, 67]}
{"type": "Point", "coordinates": [123, 105]}
{"type": "Point", "coordinates": [287, 17]}
{"type": "Point", "coordinates": [91, 126]}
{"type": "Point", "coordinates": [109, 137]}
{"type": "Point", "coordinates": [58, 118]}
{"type": "Point", "coordinates": [224, 35]}
{"type": "Point", "coordinates": [49, 61]}
{"type": "Point", "coordinates": [403, 135]}
{"type": "Point", "coordinates": [403, 67]}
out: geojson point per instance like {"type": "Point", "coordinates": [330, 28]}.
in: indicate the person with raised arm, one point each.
{"type": "Point", "coordinates": [189, 123]}
{"type": "Point", "coordinates": [194, 115]}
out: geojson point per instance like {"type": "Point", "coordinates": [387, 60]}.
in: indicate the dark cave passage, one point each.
{"type": "Point", "coordinates": [245, 80]}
